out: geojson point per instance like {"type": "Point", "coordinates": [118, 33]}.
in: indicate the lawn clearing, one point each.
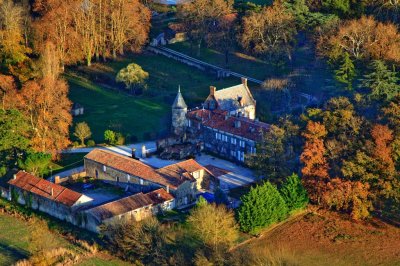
{"type": "Point", "coordinates": [142, 116]}
{"type": "Point", "coordinates": [67, 161]}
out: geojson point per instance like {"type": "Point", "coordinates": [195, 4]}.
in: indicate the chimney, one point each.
{"type": "Point", "coordinates": [212, 90]}
{"type": "Point", "coordinates": [134, 153]}
{"type": "Point", "coordinates": [237, 124]}
{"type": "Point", "coordinates": [57, 179]}
{"type": "Point", "coordinates": [158, 195]}
{"type": "Point", "coordinates": [14, 176]}
{"type": "Point", "coordinates": [52, 192]}
{"type": "Point", "coordinates": [244, 81]}
{"type": "Point", "coordinates": [167, 188]}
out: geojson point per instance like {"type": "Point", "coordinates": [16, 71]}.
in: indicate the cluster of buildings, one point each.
{"type": "Point", "coordinates": [225, 125]}
{"type": "Point", "coordinates": [152, 190]}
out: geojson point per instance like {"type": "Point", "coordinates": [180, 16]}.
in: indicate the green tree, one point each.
{"type": "Point", "coordinates": [261, 207]}
{"type": "Point", "coordinates": [346, 72]}
{"type": "Point", "coordinates": [109, 136]}
{"type": "Point", "coordinates": [82, 132]}
{"type": "Point", "coordinates": [383, 82]}
{"type": "Point", "coordinates": [294, 194]}
{"type": "Point", "coordinates": [36, 163]}
{"type": "Point", "coordinates": [14, 134]}
{"type": "Point", "coordinates": [133, 76]}
{"type": "Point", "coordinates": [269, 161]}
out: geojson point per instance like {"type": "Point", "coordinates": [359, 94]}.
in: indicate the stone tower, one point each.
{"type": "Point", "coordinates": [179, 110]}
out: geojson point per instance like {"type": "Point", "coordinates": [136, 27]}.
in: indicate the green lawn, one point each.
{"type": "Point", "coordinates": [143, 115]}
{"type": "Point", "coordinates": [67, 161]}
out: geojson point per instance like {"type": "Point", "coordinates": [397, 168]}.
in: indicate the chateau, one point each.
{"type": "Point", "coordinates": [226, 123]}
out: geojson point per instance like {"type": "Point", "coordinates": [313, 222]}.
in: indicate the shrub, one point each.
{"type": "Point", "coordinates": [294, 194]}
{"type": "Point", "coordinates": [261, 207]}
{"type": "Point", "coordinates": [119, 139]}
{"type": "Point", "coordinates": [91, 143]}
{"type": "Point", "coordinates": [75, 144]}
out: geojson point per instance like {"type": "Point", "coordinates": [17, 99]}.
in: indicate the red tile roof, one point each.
{"type": "Point", "coordinates": [180, 172]}
{"type": "Point", "coordinates": [126, 164]}
{"type": "Point", "coordinates": [159, 196]}
{"type": "Point", "coordinates": [249, 129]}
{"type": "Point", "coordinates": [120, 206]}
{"type": "Point", "coordinates": [130, 203]}
{"type": "Point", "coordinates": [44, 188]}
{"type": "Point", "coordinates": [216, 171]}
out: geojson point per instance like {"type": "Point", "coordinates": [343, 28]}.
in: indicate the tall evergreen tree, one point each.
{"type": "Point", "coordinates": [346, 73]}
{"type": "Point", "coordinates": [261, 207]}
{"type": "Point", "coordinates": [383, 82]}
{"type": "Point", "coordinates": [294, 194]}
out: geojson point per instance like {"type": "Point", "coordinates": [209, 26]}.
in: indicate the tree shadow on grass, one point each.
{"type": "Point", "coordinates": [10, 254]}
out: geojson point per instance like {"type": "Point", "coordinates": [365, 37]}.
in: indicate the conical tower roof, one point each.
{"type": "Point", "coordinates": [179, 102]}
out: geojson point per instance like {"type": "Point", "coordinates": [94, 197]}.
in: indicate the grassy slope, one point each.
{"type": "Point", "coordinates": [136, 115]}
{"type": "Point", "coordinates": [19, 239]}
{"type": "Point", "coordinates": [326, 238]}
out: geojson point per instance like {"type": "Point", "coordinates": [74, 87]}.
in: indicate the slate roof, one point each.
{"type": "Point", "coordinates": [44, 188]}
{"type": "Point", "coordinates": [228, 98]}
{"type": "Point", "coordinates": [130, 203]}
{"type": "Point", "coordinates": [249, 129]}
{"type": "Point", "coordinates": [179, 102]}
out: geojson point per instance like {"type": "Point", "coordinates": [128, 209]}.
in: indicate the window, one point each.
{"type": "Point", "coordinates": [141, 181]}
{"type": "Point", "coordinates": [233, 153]}
{"type": "Point", "coordinates": [217, 135]}
{"type": "Point", "coordinates": [242, 143]}
{"type": "Point", "coordinates": [189, 123]}
{"type": "Point", "coordinates": [242, 156]}
{"type": "Point", "coordinates": [104, 168]}
{"type": "Point", "coordinates": [225, 138]}
{"type": "Point", "coordinates": [233, 141]}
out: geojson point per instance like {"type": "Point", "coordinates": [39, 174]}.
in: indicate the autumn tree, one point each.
{"type": "Point", "coordinates": [315, 169]}
{"type": "Point", "coordinates": [214, 225]}
{"type": "Point", "coordinates": [45, 102]}
{"type": "Point", "coordinates": [268, 32]}
{"type": "Point", "coordinates": [133, 76]}
{"type": "Point", "coordinates": [363, 39]}
{"type": "Point", "coordinates": [82, 132]}
{"type": "Point", "coordinates": [199, 16]}
{"type": "Point", "coordinates": [383, 82]}
{"type": "Point", "coordinates": [8, 90]}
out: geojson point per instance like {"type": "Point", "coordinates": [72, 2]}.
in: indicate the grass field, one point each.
{"type": "Point", "coordinates": [326, 238]}
{"type": "Point", "coordinates": [146, 114]}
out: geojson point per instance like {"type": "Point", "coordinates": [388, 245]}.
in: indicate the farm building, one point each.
{"type": "Point", "coordinates": [40, 194]}
{"type": "Point", "coordinates": [183, 179]}
{"type": "Point", "coordinates": [132, 208]}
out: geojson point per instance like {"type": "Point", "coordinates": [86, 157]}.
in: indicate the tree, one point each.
{"type": "Point", "coordinates": [36, 163]}
{"type": "Point", "coordinates": [268, 32]}
{"type": "Point", "coordinates": [315, 169]}
{"type": "Point", "coordinates": [14, 133]}
{"type": "Point", "coordinates": [82, 132]}
{"type": "Point", "coordinates": [109, 136]}
{"type": "Point", "coordinates": [199, 16]}
{"type": "Point", "coordinates": [133, 241]}
{"type": "Point", "coordinates": [261, 207]}
{"type": "Point", "coordinates": [294, 193]}
{"type": "Point", "coordinates": [269, 161]}
{"type": "Point", "coordinates": [214, 225]}
{"type": "Point", "coordinates": [8, 92]}
{"type": "Point", "coordinates": [45, 102]}
{"type": "Point", "coordinates": [363, 39]}
{"type": "Point", "coordinates": [133, 76]}
{"type": "Point", "coordinates": [346, 73]}
{"type": "Point", "coordinates": [383, 82]}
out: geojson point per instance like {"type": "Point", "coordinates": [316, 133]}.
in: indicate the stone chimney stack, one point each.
{"type": "Point", "coordinates": [212, 90]}
{"type": "Point", "coordinates": [52, 192]}
{"type": "Point", "coordinates": [244, 81]}
{"type": "Point", "coordinates": [14, 176]}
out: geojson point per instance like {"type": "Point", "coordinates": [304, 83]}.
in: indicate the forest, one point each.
{"type": "Point", "coordinates": [339, 154]}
